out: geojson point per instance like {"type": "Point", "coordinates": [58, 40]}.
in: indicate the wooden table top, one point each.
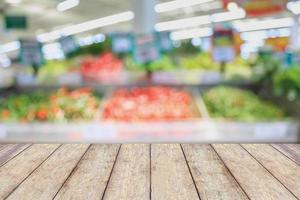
{"type": "Point", "coordinates": [156, 171]}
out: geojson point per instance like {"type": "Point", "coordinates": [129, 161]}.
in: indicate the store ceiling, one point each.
{"type": "Point", "coordinates": [43, 16]}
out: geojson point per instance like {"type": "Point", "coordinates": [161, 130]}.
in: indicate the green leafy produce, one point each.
{"type": "Point", "coordinates": [131, 65]}
{"type": "Point", "coordinates": [165, 63]}
{"type": "Point", "coordinates": [200, 61]}
{"type": "Point", "coordinates": [52, 69]}
{"type": "Point", "coordinates": [186, 48]}
{"type": "Point", "coordinates": [287, 82]}
{"type": "Point", "coordinates": [60, 106]}
{"type": "Point", "coordinates": [265, 67]}
{"type": "Point", "coordinates": [237, 104]}
{"type": "Point", "coordinates": [23, 107]}
{"type": "Point", "coordinates": [93, 49]}
{"type": "Point", "coordinates": [239, 69]}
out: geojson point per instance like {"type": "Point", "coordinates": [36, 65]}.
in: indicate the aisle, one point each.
{"type": "Point", "coordinates": [142, 171]}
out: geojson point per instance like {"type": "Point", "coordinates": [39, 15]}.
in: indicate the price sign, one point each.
{"type": "Point", "coordinates": [223, 45]}
{"type": "Point", "coordinates": [146, 48]}
{"type": "Point", "coordinates": [278, 44]}
{"type": "Point", "coordinates": [164, 40]}
{"type": "Point", "coordinates": [68, 44]}
{"type": "Point", "coordinates": [31, 52]}
{"type": "Point", "coordinates": [122, 42]}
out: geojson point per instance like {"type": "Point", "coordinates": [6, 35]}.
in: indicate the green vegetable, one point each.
{"type": "Point", "coordinates": [163, 64]}
{"type": "Point", "coordinates": [60, 106]}
{"type": "Point", "coordinates": [237, 104]}
{"type": "Point", "coordinates": [200, 61]}
{"type": "Point", "coordinates": [238, 70]}
{"type": "Point", "coordinates": [287, 82]}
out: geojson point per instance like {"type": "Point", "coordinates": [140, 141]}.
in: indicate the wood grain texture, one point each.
{"type": "Point", "coordinates": [9, 151]}
{"type": "Point", "coordinates": [256, 181]}
{"type": "Point", "coordinates": [170, 176]}
{"type": "Point", "coordinates": [130, 177]}
{"type": "Point", "coordinates": [212, 178]}
{"type": "Point", "coordinates": [285, 170]}
{"type": "Point", "coordinates": [45, 181]}
{"type": "Point", "coordinates": [90, 177]}
{"type": "Point", "coordinates": [290, 150]}
{"type": "Point", "coordinates": [17, 169]}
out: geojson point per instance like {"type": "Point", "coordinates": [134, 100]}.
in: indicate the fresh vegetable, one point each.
{"type": "Point", "coordinates": [53, 69]}
{"type": "Point", "coordinates": [60, 106]}
{"type": "Point", "coordinates": [201, 61]}
{"type": "Point", "coordinates": [105, 68]}
{"type": "Point", "coordinates": [131, 65]}
{"type": "Point", "coordinates": [238, 70]}
{"type": "Point", "coordinates": [163, 64]}
{"type": "Point", "coordinates": [149, 104]}
{"type": "Point", "coordinates": [287, 83]}
{"type": "Point", "coordinates": [265, 67]}
{"type": "Point", "coordinates": [237, 104]}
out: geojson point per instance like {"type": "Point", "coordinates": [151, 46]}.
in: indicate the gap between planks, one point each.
{"type": "Point", "coordinates": [16, 179]}
{"type": "Point", "coordinates": [256, 181]}
{"type": "Point", "coordinates": [282, 168]}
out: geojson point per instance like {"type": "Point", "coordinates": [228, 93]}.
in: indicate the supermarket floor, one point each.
{"type": "Point", "coordinates": [157, 171]}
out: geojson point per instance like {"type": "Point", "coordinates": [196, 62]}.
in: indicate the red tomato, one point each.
{"type": "Point", "coordinates": [148, 104]}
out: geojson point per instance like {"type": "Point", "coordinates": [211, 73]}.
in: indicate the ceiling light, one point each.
{"type": "Point", "coordinates": [46, 37]}
{"type": "Point", "coordinates": [232, 6]}
{"type": "Point", "coordinates": [191, 33]}
{"type": "Point", "coordinates": [183, 23]}
{"type": "Point", "coordinates": [86, 26]}
{"type": "Point", "coordinates": [97, 23]}
{"type": "Point", "coordinates": [228, 16]}
{"type": "Point", "coordinates": [4, 60]}
{"type": "Point", "coordinates": [66, 5]}
{"type": "Point", "coordinates": [254, 25]}
{"type": "Point", "coordinates": [294, 7]}
{"type": "Point", "coordinates": [177, 4]}
{"type": "Point", "coordinates": [11, 46]}
{"type": "Point", "coordinates": [13, 2]}
{"type": "Point", "coordinates": [238, 13]}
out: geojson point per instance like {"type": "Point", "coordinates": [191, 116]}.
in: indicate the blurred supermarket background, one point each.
{"type": "Point", "coordinates": [149, 70]}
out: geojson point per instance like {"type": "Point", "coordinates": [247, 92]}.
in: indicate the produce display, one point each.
{"type": "Point", "coordinates": [49, 72]}
{"type": "Point", "coordinates": [105, 69]}
{"type": "Point", "coordinates": [202, 61]}
{"type": "Point", "coordinates": [61, 106]}
{"type": "Point", "coordinates": [238, 70]}
{"type": "Point", "coordinates": [149, 104]}
{"type": "Point", "coordinates": [236, 104]}
{"type": "Point", "coordinates": [287, 83]}
{"type": "Point", "coordinates": [165, 63]}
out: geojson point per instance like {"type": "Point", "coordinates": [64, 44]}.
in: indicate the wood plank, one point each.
{"type": "Point", "coordinates": [130, 178]}
{"type": "Point", "coordinates": [17, 169]}
{"type": "Point", "coordinates": [170, 176]}
{"type": "Point", "coordinates": [46, 180]}
{"type": "Point", "coordinates": [212, 178]}
{"type": "Point", "coordinates": [290, 150]}
{"type": "Point", "coordinates": [256, 181]}
{"type": "Point", "coordinates": [9, 151]}
{"type": "Point", "coordinates": [91, 175]}
{"type": "Point", "coordinates": [285, 170]}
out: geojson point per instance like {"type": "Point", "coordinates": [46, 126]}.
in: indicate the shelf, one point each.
{"type": "Point", "coordinates": [196, 131]}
